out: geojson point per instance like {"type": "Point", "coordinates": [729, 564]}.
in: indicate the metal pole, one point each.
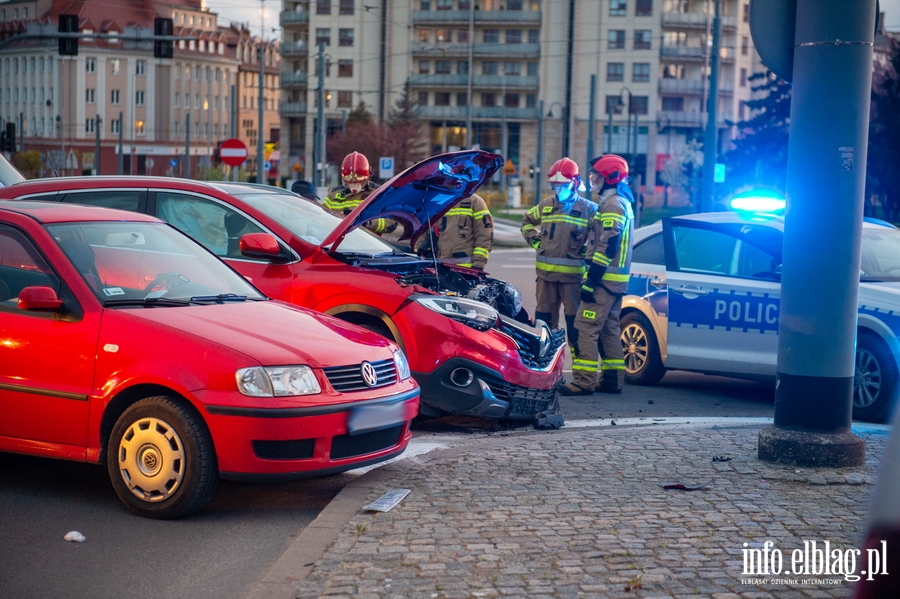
{"type": "Point", "coordinates": [711, 142]}
{"type": "Point", "coordinates": [570, 67]}
{"type": "Point", "coordinates": [121, 149]}
{"type": "Point", "coordinates": [635, 133]}
{"type": "Point", "coordinates": [260, 148]}
{"type": "Point", "coordinates": [98, 121]}
{"type": "Point", "coordinates": [470, 68]}
{"type": "Point", "coordinates": [320, 118]}
{"type": "Point", "coordinates": [21, 131]}
{"type": "Point", "coordinates": [503, 136]}
{"type": "Point", "coordinates": [609, 126]}
{"type": "Point", "coordinates": [538, 168]}
{"type": "Point", "coordinates": [827, 154]}
{"type": "Point", "coordinates": [591, 124]}
{"type": "Point", "coordinates": [235, 170]}
{"type": "Point", "coordinates": [382, 73]}
{"type": "Point", "coordinates": [187, 147]}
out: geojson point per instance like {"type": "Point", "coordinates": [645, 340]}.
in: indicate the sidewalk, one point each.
{"type": "Point", "coordinates": [580, 513]}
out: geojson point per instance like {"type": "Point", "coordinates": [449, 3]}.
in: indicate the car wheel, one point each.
{"type": "Point", "coordinates": [874, 380]}
{"type": "Point", "coordinates": [643, 364]}
{"type": "Point", "coordinates": [161, 459]}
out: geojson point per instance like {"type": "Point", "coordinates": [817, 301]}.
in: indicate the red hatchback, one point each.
{"type": "Point", "coordinates": [472, 348]}
{"type": "Point", "coordinates": [123, 341]}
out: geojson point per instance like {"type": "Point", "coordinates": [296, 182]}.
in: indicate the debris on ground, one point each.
{"type": "Point", "coordinates": [634, 583]}
{"type": "Point", "coordinates": [543, 420]}
{"type": "Point", "coordinates": [682, 486]}
{"type": "Point", "coordinates": [388, 501]}
{"type": "Point", "coordinates": [75, 537]}
{"type": "Point", "coordinates": [722, 458]}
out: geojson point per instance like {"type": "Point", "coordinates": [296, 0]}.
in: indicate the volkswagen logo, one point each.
{"type": "Point", "coordinates": [368, 373]}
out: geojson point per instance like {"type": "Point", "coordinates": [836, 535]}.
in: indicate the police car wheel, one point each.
{"type": "Point", "coordinates": [874, 380]}
{"type": "Point", "coordinates": [643, 364]}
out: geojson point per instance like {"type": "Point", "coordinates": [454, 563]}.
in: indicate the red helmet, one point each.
{"type": "Point", "coordinates": [355, 168]}
{"type": "Point", "coordinates": [613, 168]}
{"type": "Point", "coordinates": [564, 170]}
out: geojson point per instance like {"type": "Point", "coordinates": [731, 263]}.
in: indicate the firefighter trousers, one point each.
{"type": "Point", "coordinates": [599, 320]}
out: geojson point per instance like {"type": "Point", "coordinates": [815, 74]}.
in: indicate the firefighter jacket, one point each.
{"type": "Point", "coordinates": [559, 233]}
{"type": "Point", "coordinates": [608, 255]}
{"type": "Point", "coordinates": [466, 233]}
{"type": "Point", "coordinates": [340, 201]}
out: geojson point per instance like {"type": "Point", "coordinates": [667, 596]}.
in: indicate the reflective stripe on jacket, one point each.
{"type": "Point", "coordinates": [563, 231]}
{"type": "Point", "coordinates": [610, 244]}
{"type": "Point", "coordinates": [466, 233]}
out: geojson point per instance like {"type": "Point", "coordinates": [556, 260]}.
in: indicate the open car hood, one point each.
{"type": "Point", "coordinates": [421, 194]}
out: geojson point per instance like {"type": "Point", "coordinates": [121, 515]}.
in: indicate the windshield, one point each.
{"type": "Point", "coordinates": [312, 223]}
{"type": "Point", "coordinates": [147, 262]}
{"type": "Point", "coordinates": [880, 260]}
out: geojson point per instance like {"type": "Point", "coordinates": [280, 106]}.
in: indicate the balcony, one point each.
{"type": "Point", "coordinates": [482, 17]}
{"type": "Point", "coordinates": [291, 80]}
{"type": "Point", "coordinates": [508, 50]}
{"type": "Point", "coordinates": [692, 53]}
{"type": "Point", "coordinates": [698, 21]}
{"type": "Point", "coordinates": [290, 18]}
{"type": "Point", "coordinates": [441, 80]}
{"type": "Point", "coordinates": [688, 119]}
{"type": "Point", "coordinates": [298, 48]}
{"type": "Point", "coordinates": [458, 113]}
{"type": "Point", "coordinates": [509, 82]}
{"type": "Point", "coordinates": [439, 50]}
{"type": "Point", "coordinates": [293, 109]}
{"type": "Point", "coordinates": [691, 87]}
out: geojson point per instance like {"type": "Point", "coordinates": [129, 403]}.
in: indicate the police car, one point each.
{"type": "Point", "coordinates": [705, 296]}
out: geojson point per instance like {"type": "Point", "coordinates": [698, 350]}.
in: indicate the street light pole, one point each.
{"type": "Point", "coordinates": [591, 124]}
{"type": "Point", "coordinates": [260, 152]}
{"type": "Point", "coordinates": [540, 153]}
{"type": "Point", "coordinates": [711, 142]}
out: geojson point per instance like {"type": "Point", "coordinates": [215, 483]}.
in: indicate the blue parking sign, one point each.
{"type": "Point", "coordinates": [385, 168]}
{"type": "Point", "coordinates": [173, 162]}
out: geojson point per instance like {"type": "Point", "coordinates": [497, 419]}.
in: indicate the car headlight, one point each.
{"type": "Point", "coordinates": [402, 364]}
{"type": "Point", "coordinates": [277, 381]}
{"type": "Point", "coordinates": [477, 315]}
{"type": "Point", "coordinates": [514, 299]}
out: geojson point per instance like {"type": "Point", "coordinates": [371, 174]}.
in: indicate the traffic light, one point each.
{"type": "Point", "coordinates": [10, 137]}
{"type": "Point", "coordinates": [3, 141]}
{"type": "Point", "coordinates": [531, 171]}
{"type": "Point", "coordinates": [163, 48]}
{"type": "Point", "coordinates": [68, 46]}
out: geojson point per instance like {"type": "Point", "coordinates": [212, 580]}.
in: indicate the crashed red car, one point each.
{"type": "Point", "coordinates": [472, 348]}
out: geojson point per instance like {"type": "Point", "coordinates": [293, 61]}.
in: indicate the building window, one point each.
{"type": "Point", "coordinates": [743, 77]}
{"type": "Point", "coordinates": [532, 69]}
{"type": "Point", "coordinates": [323, 7]}
{"type": "Point", "coordinates": [514, 5]}
{"type": "Point", "coordinates": [89, 97]}
{"type": "Point", "coordinates": [443, 36]}
{"type": "Point", "coordinates": [444, 5]}
{"type": "Point", "coordinates": [443, 67]}
{"type": "Point", "coordinates": [462, 99]}
{"type": "Point", "coordinates": [90, 65]}
{"type": "Point", "coordinates": [323, 36]}
{"type": "Point", "coordinates": [613, 105]}
{"type": "Point", "coordinates": [425, 5]}
{"type": "Point", "coordinates": [465, 4]}
{"type": "Point", "coordinates": [530, 100]}
{"type": "Point", "coordinates": [643, 8]}
{"type": "Point", "coordinates": [615, 71]}
{"type": "Point", "coordinates": [513, 36]}
{"type": "Point", "coordinates": [616, 39]}
{"type": "Point", "coordinates": [139, 127]}
{"type": "Point", "coordinates": [511, 100]}
{"type": "Point", "coordinates": [346, 7]}
{"type": "Point", "coordinates": [115, 66]}
{"type": "Point", "coordinates": [742, 110]}
{"type": "Point", "coordinates": [642, 39]}
{"type": "Point", "coordinates": [673, 104]}
{"type": "Point", "coordinates": [462, 67]}
{"type": "Point", "coordinates": [345, 68]}
{"type": "Point", "coordinates": [462, 36]}
{"type": "Point", "coordinates": [442, 99]}
{"type": "Point", "coordinates": [345, 37]}
{"type": "Point", "coordinates": [90, 126]}
{"type": "Point", "coordinates": [424, 67]}
{"type": "Point", "coordinates": [534, 36]}
{"type": "Point", "coordinates": [114, 96]}
{"type": "Point", "coordinates": [115, 126]}
{"type": "Point", "coordinates": [745, 46]}
{"type": "Point", "coordinates": [746, 13]}
{"type": "Point", "coordinates": [488, 68]}
{"type": "Point", "coordinates": [488, 100]}
{"type": "Point", "coordinates": [639, 105]}
{"type": "Point", "coordinates": [618, 8]}
{"type": "Point", "coordinates": [140, 68]}
{"type": "Point", "coordinates": [423, 98]}
{"type": "Point", "coordinates": [640, 72]}
{"type": "Point", "coordinates": [491, 36]}
{"type": "Point", "coordinates": [345, 99]}
{"type": "Point", "coordinates": [512, 68]}
{"type": "Point", "coordinates": [139, 97]}
{"type": "Point", "coordinates": [424, 36]}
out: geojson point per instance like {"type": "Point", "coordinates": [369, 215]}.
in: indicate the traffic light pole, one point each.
{"type": "Point", "coordinates": [711, 141]}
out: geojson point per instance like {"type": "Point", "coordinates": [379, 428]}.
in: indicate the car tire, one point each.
{"type": "Point", "coordinates": [643, 364]}
{"type": "Point", "coordinates": [875, 379]}
{"type": "Point", "coordinates": [161, 459]}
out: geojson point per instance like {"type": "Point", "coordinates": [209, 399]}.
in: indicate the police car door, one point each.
{"type": "Point", "coordinates": [724, 290]}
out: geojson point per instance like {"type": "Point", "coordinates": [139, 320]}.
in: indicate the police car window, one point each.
{"type": "Point", "coordinates": [756, 263]}
{"type": "Point", "coordinates": [704, 250]}
{"type": "Point", "coordinates": [123, 200]}
{"type": "Point", "coordinates": [880, 260]}
{"type": "Point", "coordinates": [650, 251]}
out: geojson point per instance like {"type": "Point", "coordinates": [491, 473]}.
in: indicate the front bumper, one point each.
{"type": "Point", "coordinates": [485, 393]}
{"type": "Point", "coordinates": [254, 444]}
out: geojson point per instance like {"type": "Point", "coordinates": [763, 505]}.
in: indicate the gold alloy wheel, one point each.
{"type": "Point", "coordinates": [635, 346]}
{"type": "Point", "coordinates": [151, 459]}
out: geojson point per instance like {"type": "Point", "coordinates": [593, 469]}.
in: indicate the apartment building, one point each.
{"type": "Point", "coordinates": [500, 74]}
{"type": "Point", "coordinates": [163, 110]}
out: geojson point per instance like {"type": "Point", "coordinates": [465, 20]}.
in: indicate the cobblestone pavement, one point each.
{"type": "Point", "coordinates": [581, 514]}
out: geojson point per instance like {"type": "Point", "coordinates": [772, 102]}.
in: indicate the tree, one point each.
{"type": "Point", "coordinates": [679, 172]}
{"type": "Point", "coordinates": [883, 163]}
{"type": "Point", "coordinates": [759, 155]}
{"type": "Point", "coordinates": [360, 115]}
{"type": "Point", "coordinates": [408, 131]}
{"type": "Point", "coordinates": [29, 163]}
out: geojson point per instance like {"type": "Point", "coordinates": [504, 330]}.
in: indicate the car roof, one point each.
{"type": "Point", "coordinates": [54, 212]}
{"type": "Point", "coordinates": [51, 184]}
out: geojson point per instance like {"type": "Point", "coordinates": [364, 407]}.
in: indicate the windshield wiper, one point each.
{"type": "Point", "coordinates": [149, 302]}
{"type": "Point", "coordinates": [222, 297]}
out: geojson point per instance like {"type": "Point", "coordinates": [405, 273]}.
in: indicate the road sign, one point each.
{"type": "Point", "coordinates": [149, 163]}
{"type": "Point", "coordinates": [267, 166]}
{"type": "Point", "coordinates": [173, 162]}
{"type": "Point", "coordinates": [509, 168]}
{"type": "Point", "coordinates": [385, 168]}
{"type": "Point", "coordinates": [233, 152]}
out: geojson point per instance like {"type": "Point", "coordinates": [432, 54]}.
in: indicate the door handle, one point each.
{"type": "Point", "coordinates": [690, 291]}
{"type": "Point", "coordinates": [658, 282]}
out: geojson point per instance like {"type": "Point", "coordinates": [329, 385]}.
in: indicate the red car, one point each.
{"type": "Point", "coordinates": [471, 346]}
{"type": "Point", "coordinates": [123, 341]}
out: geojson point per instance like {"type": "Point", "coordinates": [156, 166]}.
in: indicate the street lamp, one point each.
{"type": "Point", "coordinates": [564, 112]}
{"type": "Point", "coordinates": [668, 126]}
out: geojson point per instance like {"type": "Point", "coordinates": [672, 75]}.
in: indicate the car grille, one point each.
{"type": "Point", "coordinates": [526, 345]}
{"type": "Point", "coordinates": [348, 446]}
{"type": "Point", "coordinates": [524, 402]}
{"type": "Point", "coordinates": [349, 378]}
{"type": "Point", "coordinates": [300, 449]}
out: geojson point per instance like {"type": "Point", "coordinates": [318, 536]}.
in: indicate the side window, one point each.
{"type": "Point", "coordinates": [756, 263]}
{"type": "Point", "coordinates": [704, 250]}
{"type": "Point", "coordinates": [650, 251]}
{"type": "Point", "coordinates": [121, 199]}
{"type": "Point", "coordinates": [21, 265]}
{"type": "Point", "coordinates": [217, 227]}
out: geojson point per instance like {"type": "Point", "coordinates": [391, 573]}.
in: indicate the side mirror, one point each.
{"type": "Point", "coordinates": [39, 298]}
{"type": "Point", "coordinates": [259, 245]}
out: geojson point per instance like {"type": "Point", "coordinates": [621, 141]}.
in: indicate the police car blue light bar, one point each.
{"type": "Point", "coordinates": [758, 200]}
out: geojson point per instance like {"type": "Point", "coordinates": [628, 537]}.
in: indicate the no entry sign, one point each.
{"type": "Point", "coordinates": [233, 152]}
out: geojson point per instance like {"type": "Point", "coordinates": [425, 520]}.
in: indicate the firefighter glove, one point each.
{"type": "Point", "coordinates": [536, 243]}
{"type": "Point", "coordinates": [587, 292]}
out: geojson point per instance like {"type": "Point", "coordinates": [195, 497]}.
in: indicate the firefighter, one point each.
{"type": "Point", "coordinates": [609, 263]}
{"type": "Point", "coordinates": [557, 228]}
{"type": "Point", "coordinates": [357, 185]}
{"type": "Point", "coordinates": [466, 234]}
